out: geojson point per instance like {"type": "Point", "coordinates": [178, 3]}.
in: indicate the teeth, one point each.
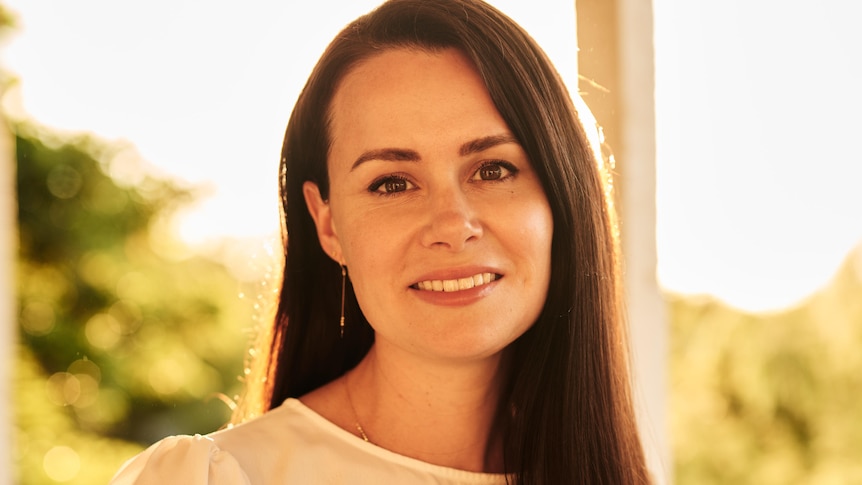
{"type": "Point", "coordinates": [457, 285]}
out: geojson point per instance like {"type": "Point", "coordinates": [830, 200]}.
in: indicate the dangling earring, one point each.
{"type": "Point", "coordinates": [343, 286]}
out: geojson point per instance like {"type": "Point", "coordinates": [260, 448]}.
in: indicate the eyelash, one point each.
{"type": "Point", "coordinates": [394, 178]}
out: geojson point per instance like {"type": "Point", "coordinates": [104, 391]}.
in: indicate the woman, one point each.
{"type": "Point", "coordinates": [449, 311]}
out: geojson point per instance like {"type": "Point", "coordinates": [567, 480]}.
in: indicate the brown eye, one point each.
{"type": "Point", "coordinates": [396, 185]}
{"type": "Point", "coordinates": [497, 170]}
{"type": "Point", "coordinates": [388, 185]}
{"type": "Point", "coordinates": [490, 172]}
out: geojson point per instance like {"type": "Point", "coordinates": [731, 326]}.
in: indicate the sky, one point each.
{"type": "Point", "coordinates": [758, 191]}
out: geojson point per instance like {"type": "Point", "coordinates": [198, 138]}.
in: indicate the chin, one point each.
{"type": "Point", "coordinates": [465, 348]}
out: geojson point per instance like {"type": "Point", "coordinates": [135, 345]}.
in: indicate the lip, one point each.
{"type": "Point", "coordinates": [460, 296]}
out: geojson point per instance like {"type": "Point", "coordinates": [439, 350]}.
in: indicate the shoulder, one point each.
{"type": "Point", "coordinates": [187, 460]}
{"type": "Point", "coordinates": [241, 454]}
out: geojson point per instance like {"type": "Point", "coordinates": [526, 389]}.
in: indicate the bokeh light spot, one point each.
{"type": "Point", "coordinates": [38, 318]}
{"type": "Point", "coordinates": [63, 388]}
{"type": "Point", "coordinates": [103, 331]}
{"type": "Point", "coordinates": [61, 463]}
{"type": "Point", "coordinates": [86, 366]}
{"type": "Point", "coordinates": [64, 182]}
{"type": "Point", "coordinates": [89, 391]}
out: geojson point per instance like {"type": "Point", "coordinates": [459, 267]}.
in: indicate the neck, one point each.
{"type": "Point", "coordinates": [438, 412]}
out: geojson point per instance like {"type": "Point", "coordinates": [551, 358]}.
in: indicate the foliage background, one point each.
{"type": "Point", "coordinates": [769, 398]}
{"type": "Point", "coordinates": [123, 339]}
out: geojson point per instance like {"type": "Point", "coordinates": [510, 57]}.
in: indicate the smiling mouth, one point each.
{"type": "Point", "coordinates": [459, 284]}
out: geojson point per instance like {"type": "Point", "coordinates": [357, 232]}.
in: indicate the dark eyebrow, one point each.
{"type": "Point", "coordinates": [404, 155]}
{"type": "Point", "coordinates": [481, 144]}
{"type": "Point", "coordinates": [387, 155]}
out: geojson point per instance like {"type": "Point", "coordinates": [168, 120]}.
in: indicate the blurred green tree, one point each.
{"type": "Point", "coordinates": [124, 338]}
{"type": "Point", "coordinates": [769, 398]}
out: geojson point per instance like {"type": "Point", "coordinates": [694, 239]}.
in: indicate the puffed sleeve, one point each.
{"type": "Point", "coordinates": [185, 460]}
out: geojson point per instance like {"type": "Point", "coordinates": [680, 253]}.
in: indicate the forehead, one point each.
{"type": "Point", "coordinates": [400, 64]}
{"type": "Point", "coordinates": [401, 90]}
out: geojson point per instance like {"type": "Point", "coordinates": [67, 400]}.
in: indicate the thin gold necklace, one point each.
{"type": "Point", "coordinates": [355, 415]}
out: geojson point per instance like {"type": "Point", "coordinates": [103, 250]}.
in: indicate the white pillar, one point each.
{"type": "Point", "coordinates": [637, 155]}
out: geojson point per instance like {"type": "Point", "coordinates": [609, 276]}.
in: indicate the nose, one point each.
{"type": "Point", "coordinates": [452, 221]}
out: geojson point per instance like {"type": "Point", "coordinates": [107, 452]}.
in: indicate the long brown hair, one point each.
{"type": "Point", "coordinates": [566, 412]}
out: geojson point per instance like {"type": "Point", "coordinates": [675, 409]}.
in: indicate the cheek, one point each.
{"type": "Point", "coordinates": [535, 227]}
{"type": "Point", "coordinates": [357, 242]}
{"type": "Point", "coordinates": [536, 238]}
{"type": "Point", "coordinates": [372, 260]}
{"type": "Point", "coordinates": [371, 236]}
{"type": "Point", "coordinates": [370, 252]}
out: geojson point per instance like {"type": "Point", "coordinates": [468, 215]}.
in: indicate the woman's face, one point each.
{"type": "Point", "coordinates": [433, 207]}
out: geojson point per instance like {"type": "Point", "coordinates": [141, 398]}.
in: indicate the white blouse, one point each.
{"type": "Point", "coordinates": [288, 445]}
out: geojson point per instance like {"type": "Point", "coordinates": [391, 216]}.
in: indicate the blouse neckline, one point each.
{"type": "Point", "coordinates": [350, 439]}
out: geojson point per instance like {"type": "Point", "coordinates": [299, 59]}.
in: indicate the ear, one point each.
{"type": "Point", "coordinates": [322, 214]}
